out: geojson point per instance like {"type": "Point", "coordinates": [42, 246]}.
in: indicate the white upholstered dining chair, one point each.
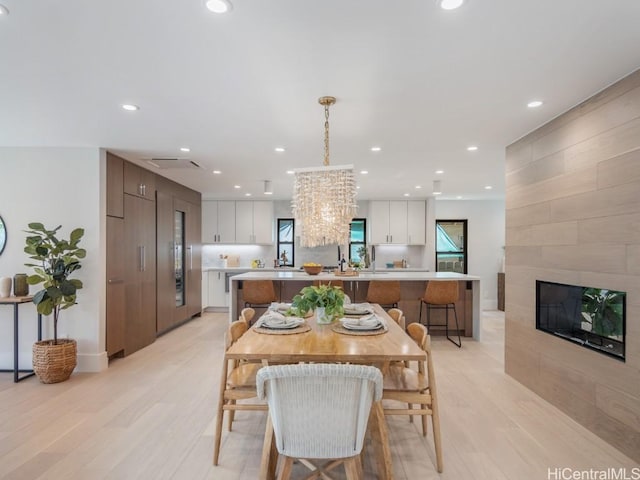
{"type": "Point", "coordinates": [319, 411]}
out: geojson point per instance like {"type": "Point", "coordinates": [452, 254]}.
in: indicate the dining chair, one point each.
{"type": "Point", "coordinates": [398, 316]}
{"type": "Point", "coordinates": [441, 295]}
{"type": "Point", "coordinates": [319, 412]}
{"type": "Point", "coordinates": [237, 382]}
{"type": "Point", "coordinates": [385, 293]}
{"type": "Point", "coordinates": [404, 384]}
{"type": "Point", "coordinates": [246, 315]}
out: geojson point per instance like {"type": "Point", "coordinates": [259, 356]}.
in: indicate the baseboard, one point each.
{"type": "Point", "coordinates": [92, 362]}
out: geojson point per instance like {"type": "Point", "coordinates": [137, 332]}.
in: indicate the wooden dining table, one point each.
{"type": "Point", "coordinates": [323, 344]}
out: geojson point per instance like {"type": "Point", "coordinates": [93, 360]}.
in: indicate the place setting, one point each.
{"type": "Point", "coordinates": [360, 319]}
{"type": "Point", "coordinates": [273, 322]}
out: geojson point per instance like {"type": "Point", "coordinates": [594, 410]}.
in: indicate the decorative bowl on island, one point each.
{"type": "Point", "coordinates": [312, 268]}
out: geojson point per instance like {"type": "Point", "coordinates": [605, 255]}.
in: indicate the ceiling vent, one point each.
{"type": "Point", "coordinates": [168, 163]}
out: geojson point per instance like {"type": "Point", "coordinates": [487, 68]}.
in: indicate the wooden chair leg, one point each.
{"type": "Point", "coordinates": [220, 413]}
{"type": "Point", "coordinates": [231, 415]}
{"type": "Point", "coordinates": [424, 421]}
{"type": "Point", "coordinates": [285, 473]}
{"type": "Point", "coordinates": [353, 468]}
{"type": "Point", "coordinates": [410, 407]}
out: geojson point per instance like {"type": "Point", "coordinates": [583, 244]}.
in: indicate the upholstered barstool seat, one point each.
{"type": "Point", "coordinates": [441, 295]}
{"type": "Point", "coordinates": [384, 293]}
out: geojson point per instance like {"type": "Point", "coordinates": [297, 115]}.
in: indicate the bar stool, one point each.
{"type": "Point", "coordinates": [385, 293]}
{"type": "Point", "coordinates": [258, 293]}
{"type": "Point", "coordinates": [441, 295]}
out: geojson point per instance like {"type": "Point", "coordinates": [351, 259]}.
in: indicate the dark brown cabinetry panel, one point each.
{"type": "Point", "coordinates": [115, 186]}
{"type": "Point", "coordinates": [139, 181]}
{"type": "Point", "coordinates": [140, 272]}
{"type": "Point", "coordinates": [115, 286]}
{"type": "Point", "coordinates": [194, 258]}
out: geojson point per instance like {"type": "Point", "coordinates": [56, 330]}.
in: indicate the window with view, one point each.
{"type": "Point", "coordinates": [357, 240]}
{"type": "Point", "coordinates": [451, 246]}
{"type": "Point", "coordinates": [286, 241]}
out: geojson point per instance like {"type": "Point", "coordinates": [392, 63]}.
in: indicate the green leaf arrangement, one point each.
{"type": "Point", "coordinates": [56, 260]}
{"type": "Point", "coordinates": [327, 296]}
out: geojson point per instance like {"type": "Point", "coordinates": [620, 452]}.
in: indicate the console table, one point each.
{"type": "Point", "coordinates": [16, 302]}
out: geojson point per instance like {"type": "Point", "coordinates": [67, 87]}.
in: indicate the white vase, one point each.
{"type": "Point", "coordinates": [5, 287]}
{"type": "Point", "coordinates": [322, 317]}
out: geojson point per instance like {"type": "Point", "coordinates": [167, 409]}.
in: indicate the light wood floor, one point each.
{"type": "Point", "coordinates": [150, 416]}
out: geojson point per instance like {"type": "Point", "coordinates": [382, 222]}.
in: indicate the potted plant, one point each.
{"type": "Point", "coordinates": [326, 300]}
{"type": "Point", "coordinates": [57, 259]}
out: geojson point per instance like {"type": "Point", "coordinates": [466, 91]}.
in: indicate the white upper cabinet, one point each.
{"type": "Point", "coordinates": [254, 222]}
{"type": "Point", "coordinates": [397, 222]}
{"type": "Point", "coordinates": [218, 221]}
{"type": "Point", "coordinates": [416, 223]}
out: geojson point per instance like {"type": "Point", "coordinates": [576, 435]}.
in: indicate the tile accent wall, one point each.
{"type": "Point", "coordinates": [573, 216]}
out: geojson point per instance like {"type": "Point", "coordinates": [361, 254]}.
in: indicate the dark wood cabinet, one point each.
{"type": "Point", "coordinates": [194, 267]}
{"type": "Point", "coordinates": [139, 247]}
{"type": "Point", "coordinates": [115, 186]}
{"type": "Point", "coordinates": [139, 181]}
{"type": "Point", "coordinates": [179, 274]}
{"type": "Point", "coordinates": [115, 308]}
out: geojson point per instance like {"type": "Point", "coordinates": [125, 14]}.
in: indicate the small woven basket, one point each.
{"type": "Point", "coordinates": [54, 363]}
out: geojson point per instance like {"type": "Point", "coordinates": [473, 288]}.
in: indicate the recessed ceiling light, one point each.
{"type": "Point", "coordinates": [376, 149]}
{"type": "Point", "coordinates": [217, 172]}
{"type": "Point", "coordinates": [418, 187]}
{"type": "Point", "coordinates": [459, 197]}
{"type": "Point", "coordinates": [247, 194]}
{"type": "Point", "coordinates": [450, 4]}
{"type": "Point", "coordinates": [130, 107]}
{"type": "Point", "coordinates": [290, 172]}
{"type": "Point", "coordinates": [279, 149]}
{"type": "Point", "coordinates": [407, 194]}
{"type": "Point", "coordinates": [219, 6]}
{"type": "Point", "coordinates": [488, 187]}
{"type": "Point", "coordinates": [357, 187]}
{"type": "Point", "coordinates": [439, 172]}
{"type": "Point", "coordinates": [364, 172]}
{"type": "Point", "coordinates": [472, 148]}
{"type": "Point", "coordinates": [4, 10]}
{"type": "Point", "coordinates": [437, 193]}
{"type": "Point", "coordinates": [534, 104]}
{"type": "Point", "coordinates": [236, 186]}
{"type": "Point", "coordinates": [185, 149]}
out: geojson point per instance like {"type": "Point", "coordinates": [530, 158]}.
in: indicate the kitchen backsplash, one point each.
{"type": "Point", "coordinates": [324, 255]}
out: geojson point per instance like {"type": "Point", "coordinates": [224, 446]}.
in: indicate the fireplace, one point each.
{"type": "Point", "coordinates": [594, 318]}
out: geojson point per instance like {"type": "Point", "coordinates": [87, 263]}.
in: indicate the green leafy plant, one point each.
{"type": "Point", "coordinates": [603, 310]}
{"type": "Point", "coordinates": [329, 297]}
{"type": "Point", "coordinates": [57, 260]}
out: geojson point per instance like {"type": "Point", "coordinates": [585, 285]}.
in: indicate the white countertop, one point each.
{"type": "Point", "coordinates": [390, 274]}
{"type": "Point", "coordinates": [289, 269]}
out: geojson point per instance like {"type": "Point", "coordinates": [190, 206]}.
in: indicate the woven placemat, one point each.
{"type": "Point", "coordinates": [338, 328]}
{"type": "Point", "coordinates": [283, 331]}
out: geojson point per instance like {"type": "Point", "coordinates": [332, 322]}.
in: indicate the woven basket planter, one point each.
{"type": "Point", "coordinates": [54, 363]}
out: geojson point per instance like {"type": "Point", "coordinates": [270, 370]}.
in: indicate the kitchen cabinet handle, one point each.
{"type": "Point", "coordinates": [190, 248]}
{"type": "Point", "coordinates": [113, 281]}
{"type": "Point", "coordinates": [142, 260]}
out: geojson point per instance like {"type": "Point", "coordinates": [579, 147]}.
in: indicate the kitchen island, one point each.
{"type": "Point", "coordinates": [412, 285]}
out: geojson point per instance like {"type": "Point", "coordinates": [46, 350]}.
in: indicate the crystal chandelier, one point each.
{"type": "Point", "coordinates": [324, 198]}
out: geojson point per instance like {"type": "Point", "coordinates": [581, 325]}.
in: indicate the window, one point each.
{"type": "Point", "coordinates": [451, 246]}
{"type": "Point", "coordinates": [357, 239]}
{"type": "Point", "coordinates": [286, 237]}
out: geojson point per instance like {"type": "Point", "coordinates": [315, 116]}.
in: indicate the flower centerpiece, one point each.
{"type": "Point", "coordinates": [326, 300]}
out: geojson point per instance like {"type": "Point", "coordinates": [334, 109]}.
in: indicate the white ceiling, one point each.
{"type": "Point", "coordinates": [418, 81]}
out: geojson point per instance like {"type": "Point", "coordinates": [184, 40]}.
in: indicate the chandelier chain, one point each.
{"type": "Point", "coordinates": [326, 135]}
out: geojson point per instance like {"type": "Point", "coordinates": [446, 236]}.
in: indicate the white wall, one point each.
{"type": "Point", "coordinates": [55, 186]}
{"type": "Point", "coordinates": [486, 238]}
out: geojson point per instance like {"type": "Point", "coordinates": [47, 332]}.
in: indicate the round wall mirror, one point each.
{"type": "Point", "coordinates": [3, 235]}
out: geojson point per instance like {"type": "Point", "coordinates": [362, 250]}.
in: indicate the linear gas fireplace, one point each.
{"type": "Point", "coordinates": [592, 317]}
